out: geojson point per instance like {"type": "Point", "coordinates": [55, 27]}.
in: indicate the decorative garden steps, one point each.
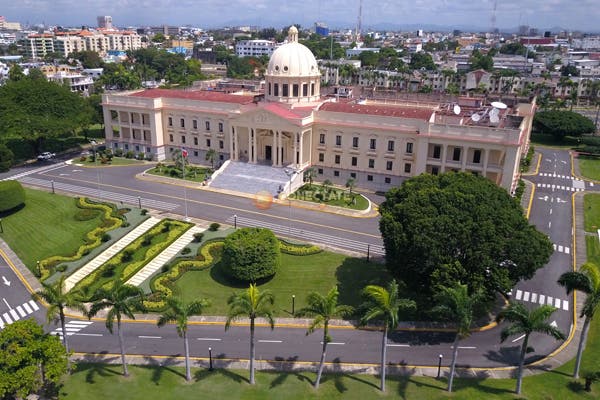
{"type": "Point", "coordinates": [157, 262]}
{"type": "Point", "coordinates": [107, 254]}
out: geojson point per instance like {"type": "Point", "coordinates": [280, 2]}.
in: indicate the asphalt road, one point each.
{"type": "Point", "coordinates": [551, 212]}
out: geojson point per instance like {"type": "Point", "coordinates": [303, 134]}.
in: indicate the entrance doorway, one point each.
{"type": "Point", "coordinates": [268, 155]}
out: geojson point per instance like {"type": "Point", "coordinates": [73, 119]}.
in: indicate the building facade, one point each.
{"type": "Point", "coordinates": [291, 125]}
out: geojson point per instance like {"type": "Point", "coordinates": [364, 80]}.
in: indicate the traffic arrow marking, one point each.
{"type": "Point", "coordinates": [5, 281]}
{"type": "Point", "coordinates": [554, 324]}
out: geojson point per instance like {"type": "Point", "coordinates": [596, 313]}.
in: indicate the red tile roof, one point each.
{"type": "Point", "coordinates": [195, 95]}
{"type": "Point", "coordinates": [376, 109]}
{"type": "Point", "coordinates": [282, 111]}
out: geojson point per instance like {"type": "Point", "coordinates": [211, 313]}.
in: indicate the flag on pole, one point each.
{"type": "Point", "coordinates": [184, 152]}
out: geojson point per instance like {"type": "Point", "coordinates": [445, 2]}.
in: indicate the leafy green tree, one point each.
{"type": "Point", "coordinates": [12, 195]}
{"type": "Point", "coordinates": [457, 305]}
{"type": "Point", "coordinates": [481, 61]}
{"type": "Point", "coordinates": [569, 70]}
{"type": "Point", "coordinates": [422, 60]}
{"type": "Point", "coordinates": [58, 298]}
{"type": "Point", "coordinates": [251, 254]}
{"type": "Point", "coordinates": [324, 48]}
{"type": "Point", "coordinates": [514, 48]}
{"type": "Point", "coordinates": [586, 280]}
{"type": "Point", "coordinates": [384, 305]}
{"type": "Point", "coordinates": [322, 309]}
{"type": "Point", "coordinates": [562, 123]}
{"type": "Point", "coordinates": [30, 360]}
{"type": "Point", "coordinates": [350, 184]}
{"type": "Point", "coordinates": [88, 58]}
{"type": "Point", "coordinates": [116, 76]}
{"type": "Point", "coordinates": [252, 304]}
{"type": "Point", "coordinates": [309, 175]}
{"type": "Point", "coordinates": [211, 156]}
{"type": "Point", "coordinates": [525, 322]}
{"type": "Point", "coordinates": [179, 312]}
{"type": "Point", "coordinates": [15, 73]}
{"type": "Point", "coordinates": [458, 227]}
{"type": "Point", "coordinates": [6, 158]}
{"type": "Point", "coordinates": [120, 300]}
{"type": "Point", "coordinates": [368, 58]}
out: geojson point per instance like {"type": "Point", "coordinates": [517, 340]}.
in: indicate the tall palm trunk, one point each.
{"type": "Point", "coordinates": [122, 345]}
{"type": "Point", "coordinates": [323, 354]}
{"type": "Point", "coordinates": [521, 362]}
{"type": "Point", "coordinates": [252, 351]}
{"type": "Point", "coordinates": [383, 356]}
{"type": "Point", "coordinates": [582, 340]}
{"type": "Point", "coordinates": [453, 364]}
{"type": "Point", "coordinates": [64, 338]}
{"type": "Point", "coordinates": [186, 345]}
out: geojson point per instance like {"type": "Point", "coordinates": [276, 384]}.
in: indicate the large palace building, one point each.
{"type": "Point", "coordinates": [291, 125]}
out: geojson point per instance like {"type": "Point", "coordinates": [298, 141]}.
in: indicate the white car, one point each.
{"type": "Point", "coordinates": [46, 156]}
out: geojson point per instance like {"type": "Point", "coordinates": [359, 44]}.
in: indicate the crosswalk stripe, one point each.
{"type": "Point", "coordinates": [20, 310]}
{"type": "Point", "coordinates": [557, 303]}
{"type": "Point", "coordinates": [519, 294]}
{"type": "Point", "coordinates": [84, 323]}
{"type": "Point", "coordinates": [14, 315]}
{"type": "Point", "coordinates": [533, 297]}
{"type": "Point", "coordinates": [27, 308]}
{"type": "Point", "coordinates": [542, 299]}
{"type": "Point", "coordinates": [560, 248]}
{"type": "Point", "coordinates": [526, 296]}
{"type": "Point", "coordinates": [33, 305]}
{"type": "Point", "coordinates": [1, 324]}
{"type": "Point", "coordinates": [7, 318]}
{"type": "Point", "coordinates": [567, 250]}
{"type": "Point", "coordinates": [565, 305]}
{"type": "Point", "coordinates": [549, 300]}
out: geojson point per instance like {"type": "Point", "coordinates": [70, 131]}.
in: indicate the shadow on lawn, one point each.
{"type": "Point", "coordinates": [354, 274]}
{"type": "Point", "coordinates": [218, 275]}
{"type": "Point", "coordinates": [220, 366]}
{"type": "Point", "coordinates": [164, 365]}
{"type": "Point", "coordinates": [98, 365]}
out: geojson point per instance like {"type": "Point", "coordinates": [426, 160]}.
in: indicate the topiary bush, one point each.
{"type": "Point", "coordinates": [12, 195]}
{"type": "Point", "coordinates": [214, 227]}
{"type": "Point", "coordinates": [251, 254]}
{"type": "Point", "coordinates": [198, 236]}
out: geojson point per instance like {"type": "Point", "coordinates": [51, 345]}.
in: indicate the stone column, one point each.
{"type": "Point", "coordinates": [250, 155]}
{"type": "Point", "coordinates": [486, 157]}
{"type": "Point", "coordinates": [274, 149]}
{"type": "Point", "coordinates": [444, 153]}
{"type": "Point", "coordinates": [295, 160]}
{"type": "Point", "coordinates": [301, 160]}
{"type": "Point", "coordinates": [464, 159]}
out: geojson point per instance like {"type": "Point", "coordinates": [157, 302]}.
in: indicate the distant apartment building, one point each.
{"type": "Point", "coordinates": [105, 21]}
{"type": "Point", "coordinates": [9, 26]}
{"type": "Point", "coordinates": [255, 48]}
{"type": "Point", "coordinates": [39, 45]}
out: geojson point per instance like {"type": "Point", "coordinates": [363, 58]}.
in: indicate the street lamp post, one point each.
{"type": "Point", "coordinates": [439, 365]}
{"type": "Point", "coordinates": [39, 271]}
{"type": "Point", "coordinates": [234, 221]}
{"type": "Point", "coordinates": [93, 142]}
{"type": "Point", "coordinates": [210, 363]}
{"type": "Point", "coordinates": [140, 202]}
{"type": "Point", "coordinates": [293, 305]}
{"type": "Point", "coordinates": [52, 183]}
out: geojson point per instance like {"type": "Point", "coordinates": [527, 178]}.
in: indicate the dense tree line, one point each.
{"type": "Point", "coordinates": [560, 123]}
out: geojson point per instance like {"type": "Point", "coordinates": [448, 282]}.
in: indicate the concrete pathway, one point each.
{"type": "Point", "coordinates": [157, 262]}
{"type": "Point", "coordinates": [107, 254]}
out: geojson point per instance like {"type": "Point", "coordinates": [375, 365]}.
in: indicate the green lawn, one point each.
{"type": "Point", "coordinates": [331, 196]}
{"type": "Point", "coordinates": [114, 161]}
{"type": "Point", "coordinates": [46, 226]}
{"type": "Point", "coordinates": [298, 276]}
{"type": "Point", "coordinates": [194, 174]}
{"type": "Point", "coordinates": [568, 142]}
{"type": "Point", "coordinates": [589, 167]}
{"type": "Point", "coordinates": [591, 204]}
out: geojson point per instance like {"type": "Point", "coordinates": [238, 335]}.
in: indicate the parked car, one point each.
{"type": "Point", "coordinates": [46, 156]}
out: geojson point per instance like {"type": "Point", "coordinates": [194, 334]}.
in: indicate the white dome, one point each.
{"type": "Point", "coordinates": [292, 60]}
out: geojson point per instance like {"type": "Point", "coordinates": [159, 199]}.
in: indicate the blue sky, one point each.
{"type": "Point", "coordinates": [569, 14]}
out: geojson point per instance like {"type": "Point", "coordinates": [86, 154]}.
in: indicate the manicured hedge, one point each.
{"type": "Point", "coordinates": [298, 249]}
{"type": "Point", "coordinates": [251, 254]}
{"type": "Point", "coordinates": [93, 239]}
{"type": "Point", "coordinates": [12, 195]}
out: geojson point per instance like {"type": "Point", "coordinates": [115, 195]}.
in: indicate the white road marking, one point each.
{"type": "Point", "coordinates": [519, 338]}
{"type": "Point", "coordinates": [565, 305]}
{"type": "Point", "coordinates": [542, 299]}
{"type": "Point", "coordinates": [549, 300]}
{"type": "Point", "coordinates": [270, 341]}
{"type": "Point", "coordinates": [567, 250]}
{"type": "Point", "coordinates": [211, 339]}
{"type": "Point", "coordinates": [557, 303]}
{"type": "Point", "coordinates": [150, 337]}
{"type": "Point", "coordinates": [7, 318]}
{"type": "Point", "coordinates": [336, 343]}
{"type": "Point", "coordinates": [526, 296]}
{"type": "Point", "coordinates": [533, 297]}
{"type": "Point", "coordinates": [27, 308]}
{"type": "Point", "coordinates": [398, 345]}
{"type": "Point", "coordinates": [14, 315]}
{"type": "Point", "coordinates": [550, 211]}
{"type": "Point", "coordinates": [21, 311]}
{"type": "Point", "coordinates": [85, 334]}
{"type": "Point", "coordinates": [84, 323]}
{"type": "Point", "coordinates": [7, 305]}
{"type": "Point", "coordinates": [467, 347]}
{"type": "Point", "coordinates": [33, 305]}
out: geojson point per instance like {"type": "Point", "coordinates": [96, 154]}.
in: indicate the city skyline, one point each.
{"type": "Point", "coordinates": [336, 13]}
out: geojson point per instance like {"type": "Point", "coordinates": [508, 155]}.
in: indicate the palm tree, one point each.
{"type": "Point", "coordinates": [252, 303]}
{"type": "Point", "coordinates": [309, 175]}
{"type": "Point", "coordinates": [525, 322]}
{"type": "Point", "coordinates": [586, 280]}
{"type": "Point", "coordinates": [323, 309]}
{"type": "Point", "coordinates": [58, 299]}
{"type": "Point", "coordinates": [456, 303]}
{"type": "Point", "coordinates": [211, 155]}
{"type": "Point", "coordinates": [121, 300]}
{"type": "Point", "coordinates": [179, 313]}
{"type": "Point", "coordinates": [385, 305]}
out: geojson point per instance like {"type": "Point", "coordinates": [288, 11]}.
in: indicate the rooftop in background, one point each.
{"type": "Point", "coordinates": [194, 95]}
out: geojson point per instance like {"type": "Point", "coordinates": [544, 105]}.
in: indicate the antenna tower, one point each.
{"type": "Point", "coordinates": [493, 25]}
{"type": "Point", "coordinates": [359, 22]}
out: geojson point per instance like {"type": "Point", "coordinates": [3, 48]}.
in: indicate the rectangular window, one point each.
{"type": "Point", "coordinates": [195, 124]}
{"type": "Point", "coordinates": [370, 178]}
{"type": "Point", "coordinates": [456, 154]}
{"type": "Point", "coordinates": [373, 144]}
{"type": "Point", "coordinates": [196, 141]}
{"type": "Point", "coordinates": [220, 127]}
{"type": "Point", "coordinates": [285, 90]}
{"type": "Point", "coordinates": [295, 90]}
{"type": "Point", "coordinates": [322, 138]}
{"type": "Point", "coordinates": [338, 140]}
{"type": "Point", "coordinates": [207, 142]}
{"type": "Point", "coordinates": [390, 145]}
{"type": "Point", "coordinates": [170, 138]}
{"type": "Point", "coordinates": [276, 89]}
{"type": "Point", "coordinates": [371, 163]}
{"type": "Point", "coordinates": [476, 156]}
{"type": "Point", "coordinates": [407, 167]}
{"type": "Point", "coordinates": [337, 158]}
{"type": "Point", "coordinates": [148, 149]}
{"type": "Point", "coordinates": [183, 139]}
{"type": "Point", "coordinates": [137, 148]}
{"type": "Point", "coordinates": [221, 145]}
{"type": "Point", "coordinates": [388, 180]}
{"type": "Point", "coordinates": [437, 151]}
{"type": "Point", "coordinates": [304, 89]}
{"type": "Point", "coordinates": [355, 142]}
{"type": "Point", "coordinates": [170, 121]}
{"type": "Point", "coordinates": [196, 153]}
{"type": "Point", "coordinates": [321, 157]}
{"type": "Point", "coordinates": [320, 171]}
{"type": "Point", "coordinates": [409, 148]}
{"type": "Point", "coordinates": [354, 161]}
{"type": "Point", "coordinates": [182, 123]}
{"type": "Point", "coordinates": [312, 89]}
{"type": "Point", "coordinates": [269, 88]}
{"type": "Point", "coordinates": [435, 170]}
{"type": "Point", "coordinates": [207, 124]}
{"type": "Point", "coordinates": [336, 173]}
{"type": "Point", "coordinates": [353, 175]}
{"type": "Point", "coordinates": [388, 165]}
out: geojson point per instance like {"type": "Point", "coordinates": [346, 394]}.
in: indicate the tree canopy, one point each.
{"type": "Point", "coordinates": [251, 254]}
{"type": "Point", "coordinates": [560, 123]}
{"type": "Point", "coordinates": [422, 60]}
{"type": "Point", "coordinates": [453, 228]}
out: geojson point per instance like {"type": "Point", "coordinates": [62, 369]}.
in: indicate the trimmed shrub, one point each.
{"type": "Point", "coordinates": [214, 227]}
{"type": "Point", "coordinates": [198, 236]}
{"type": "Point", "coordinates": [86, 214]}
{"type": "Point", "coordinates": [143, 211]}
{"type": "Point", "coordinates": [126, 255]}
{"type": "Point", "coordinates": [61, 268]}
{"type": "Point", "coordinates": [147, 240]}
{"type": "Point", "coordinates": [251, 254]}
{"type": "Point", "coordinates": [186, 250]}
{"type": "Point", "coordinates": [12, 195]}
{"type": "Point", "coordinates": [105, 238]}
{"type": "Point", "coordinates": [298, 249]}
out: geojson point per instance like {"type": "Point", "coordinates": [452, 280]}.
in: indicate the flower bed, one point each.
{"type": "Point", "coordinates": [111, 220]}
